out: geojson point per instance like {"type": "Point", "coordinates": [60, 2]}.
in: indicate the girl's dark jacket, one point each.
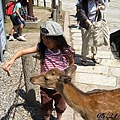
{"type": "Point", "coordinates": [84, 13]}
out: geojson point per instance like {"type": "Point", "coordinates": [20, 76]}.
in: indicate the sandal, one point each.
{"type": "Point", "coordinates": [96, 60]}
{"type": "Point", "coordinates": [84, 62]}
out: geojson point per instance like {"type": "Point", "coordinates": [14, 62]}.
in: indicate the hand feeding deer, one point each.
{"type": "Point", "coordinates": [93, 105]}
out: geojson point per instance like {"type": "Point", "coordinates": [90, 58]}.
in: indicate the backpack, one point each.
{"type": "Point", "coordinates": [9, 8]}
{"type": "Point", "coordinates": [115, 44]}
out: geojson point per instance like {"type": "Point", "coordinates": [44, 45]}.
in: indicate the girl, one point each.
{"type": "Point", "coordinates": [54, 52]}
{"type": "Point", "coordinates": [18, 22]}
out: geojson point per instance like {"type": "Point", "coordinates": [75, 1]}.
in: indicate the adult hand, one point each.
{"type": "Point", "coordinates": [88, 22]}
{"type": "Point", "coordinates": [100, 7]}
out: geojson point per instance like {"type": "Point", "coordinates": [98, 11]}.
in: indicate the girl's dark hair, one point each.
{"type": "Point", "coordinates": [61, 44]}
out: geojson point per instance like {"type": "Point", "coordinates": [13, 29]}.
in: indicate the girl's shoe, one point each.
{"type": "Point", "coordinates": [21, 38]}
{"type": "Point", "coordinates": [11, 38]}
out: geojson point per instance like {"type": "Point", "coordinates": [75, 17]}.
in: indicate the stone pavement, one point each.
{"type": "Point", "coordinates": [105, 75]}
{"type": "Point", "coordinates": [95, 76]}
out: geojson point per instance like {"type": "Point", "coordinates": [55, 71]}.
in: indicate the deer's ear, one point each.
{"type": "Point", "coordinates": [70, 70]}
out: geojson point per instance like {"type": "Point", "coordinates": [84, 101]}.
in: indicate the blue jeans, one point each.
{"type": "Point", "coordinates": [17, 21]}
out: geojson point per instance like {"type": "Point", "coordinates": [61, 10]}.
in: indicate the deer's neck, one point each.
{"type": "Point", "coordinates": [74, 97]}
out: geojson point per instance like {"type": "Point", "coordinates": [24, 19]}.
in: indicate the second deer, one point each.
{"type": "Point", "coordinates": [93, 105]}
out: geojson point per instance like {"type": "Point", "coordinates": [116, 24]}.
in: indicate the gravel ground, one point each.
{"type": "Point", "coordinates": [11, 95]}
{"type": "Point", "coordinates": [12, 99]}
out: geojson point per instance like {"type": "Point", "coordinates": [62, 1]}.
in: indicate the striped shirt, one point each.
{"type": "Point", "coordinates": [58, 60]}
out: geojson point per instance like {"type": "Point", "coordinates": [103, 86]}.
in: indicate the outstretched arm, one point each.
{"type": "Point", "coordinates": [8, 65]}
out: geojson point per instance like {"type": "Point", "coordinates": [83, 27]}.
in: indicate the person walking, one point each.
{"type": "Point", "coordinates": [54, 52]}
{"type": "Point", "coordinates": [88, 12]}
{"type": "Point", "coordinates": [18, 22]}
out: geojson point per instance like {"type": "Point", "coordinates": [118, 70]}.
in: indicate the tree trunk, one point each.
{"type": "Point", "coordinates": [53, 4]}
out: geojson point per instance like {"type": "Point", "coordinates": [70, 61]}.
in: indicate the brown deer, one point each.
{"type": "Point", "coordinates": [92, 105]}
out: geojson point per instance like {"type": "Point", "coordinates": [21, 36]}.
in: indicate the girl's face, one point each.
{"type": "Point", "coordinates": [50, 43]}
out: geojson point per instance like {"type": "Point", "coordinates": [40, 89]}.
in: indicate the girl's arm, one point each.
{"type": "Point", "coordinates": [18, 54]}
{"type": "Point", "coordinates": [71, 60]}
{"type": "Point", "coordinates": [17, 11]}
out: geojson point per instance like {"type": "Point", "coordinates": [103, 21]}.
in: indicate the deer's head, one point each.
{"type": "Point", "coordinates": [53, 77]}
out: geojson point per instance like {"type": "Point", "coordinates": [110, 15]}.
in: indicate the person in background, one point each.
{"type": "Point", "coordinates": [78, 5]}
{"type": "Point", "coordinates": [18, 22]}
{"type": "Point", "coordinates": [89, 10]}
{"type": "Point", "coordinates": [54, 52]}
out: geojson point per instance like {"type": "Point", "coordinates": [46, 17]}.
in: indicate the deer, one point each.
{"type": "Point", "coordinates": [92, 105]}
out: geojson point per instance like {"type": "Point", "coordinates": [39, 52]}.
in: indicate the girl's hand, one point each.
{"type": "Point", "coordinates": [22, 19]}
{"type": "Point", "coordinates": [7, 66]}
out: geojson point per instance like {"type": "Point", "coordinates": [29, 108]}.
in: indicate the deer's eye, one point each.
{"type": "Point", "coordinates": [45, 78]}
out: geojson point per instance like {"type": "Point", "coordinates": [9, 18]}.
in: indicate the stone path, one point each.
{"type": "Point", "coordinates": [105, 75]}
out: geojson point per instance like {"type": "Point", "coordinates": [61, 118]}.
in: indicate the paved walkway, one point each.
{"type": "Point", "coordinates": [105, 75]}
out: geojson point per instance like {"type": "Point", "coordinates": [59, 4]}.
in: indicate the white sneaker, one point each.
{"type": "Point", "coordinates": [22, 35]}
{"type": "Point", "coordinates": [21, 38]}
{"type": "Point", "coordinates": [11, 38]}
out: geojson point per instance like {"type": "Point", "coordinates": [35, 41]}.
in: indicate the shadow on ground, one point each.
{"type": "Point", "coordinates": [34, 111]}
{"type": "Point", "coordinates": [78, 60]}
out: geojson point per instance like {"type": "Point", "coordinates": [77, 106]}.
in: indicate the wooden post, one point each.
{"type": "Point", "coordinates": [53, 4]}
{"type": "Point", "coordinates": [57, 13]}
{"type": "Point", "coordinates": [27, 63]}
{"type": "Point", "coordinates": [54, 15]}
{"type": "Point", "coordinates": [37, 2]}
{"type": "Point", "coordinates": [60, 5]}
{"type": "Point", "coordinates": [44, 3]}
{"type": "Point", "coordinates": [30, 8]}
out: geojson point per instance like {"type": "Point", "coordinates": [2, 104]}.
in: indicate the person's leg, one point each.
{"type": "Point", "coordinates": [85, 46]}
{"type": "Point", "coordinates": [60, 105]}
{"type": "Point", "coordinates": [20, 29]}
{"type": "Point", "coordinates": [94, 57]}
{"type": "Point", "coordinates": [47, 103]}
{"type": "Point", "coordinates": [94, 51]}
{"type": "Point", "coordinates": [59, 116]}
{"type": "Point", "coordinates": [13, 19]}
{"type": "Point", "coordinates": [21, 26]}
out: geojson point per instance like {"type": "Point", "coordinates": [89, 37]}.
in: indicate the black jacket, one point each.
{"type": "Point", "coordinates": [84, 13]}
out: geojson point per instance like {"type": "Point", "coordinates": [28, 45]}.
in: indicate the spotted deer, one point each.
{"type": "Point", "coordinates": [92, 105]}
